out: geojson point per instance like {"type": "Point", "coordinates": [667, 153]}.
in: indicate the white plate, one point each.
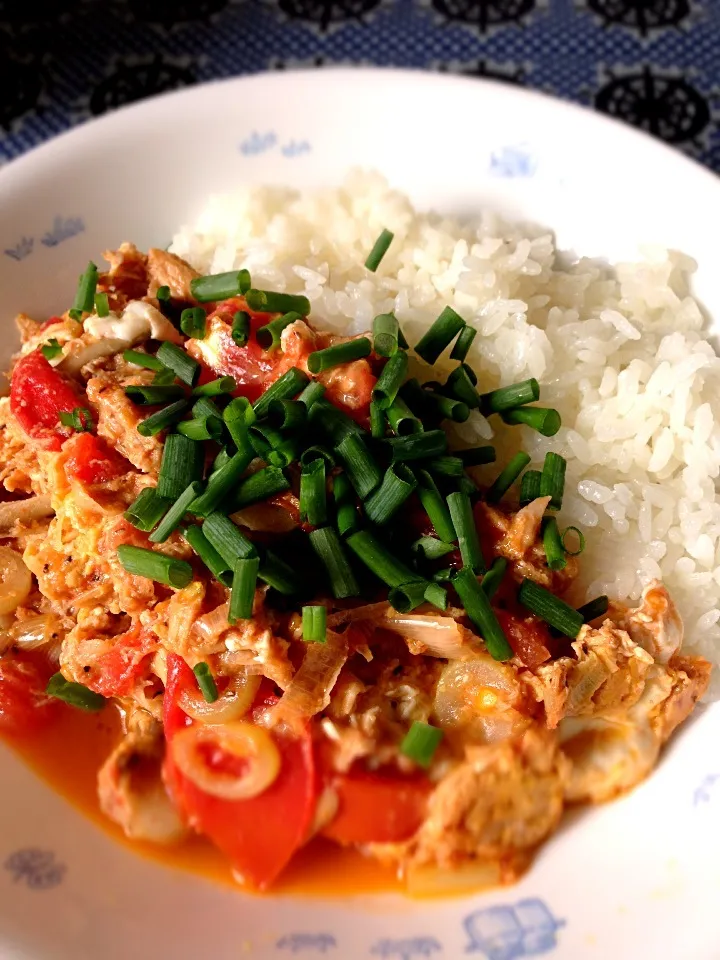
{"type": "Point", "coordinates": [640, 876]}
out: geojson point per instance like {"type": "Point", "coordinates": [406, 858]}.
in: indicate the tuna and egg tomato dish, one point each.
{"type": "Point", "coordinates": [316, 620]}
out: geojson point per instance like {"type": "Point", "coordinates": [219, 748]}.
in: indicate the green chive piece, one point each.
{"type": "Point", "coordinates": [397, 485]}
{"type": "Point", "coordinates": [182, 462]}
{"type": "Point", "coordinates": [314, 624]}
{"type": "Point", "coordinates": [222, 483]}
{"type": "Point", "coordinates": [220, 286]}
{"type": "Point", "coordinates": [331, 553]}
{"type": "Point", "coordinates": [347, 519]}
{"type": "Point", "coordinates": [379, 250]}
{"type": "Point", "coordinates": [240, 331]}
{"type": "Point", "coordinates": [447, 408]}
{"type": "Point", "coordinates": [216, 388]}
{"type": "Point", "coordinates": [443, 576]}
{"type": "Point", "coordinates": [227, 538]}
{"type": "Point", "coordinates": [408, 596]}
{"type": "Point", "coordinates": [265, 301]}
{"type": "Point", "coordinates": [420, 446]}
{"type": "Point", "coordinates": [317, 452]}
{"type": "Point", "coordinates": [102, 305]}
{"type": "Point", "coordinates": [85, 295]}
{"type": "Point", "coordinates": [476, 456]}
{"type": "Point", "coordinates": [280, 575]}
{"type": "Point", "coordinates": [461, 513]}
{"type": "Point", "coordinates": [378, 422]}
{"type": "Point", "coordinates": [477, 606]}
{"type": "Point", "coordinates": [221, 570]}
{"type": "Point", "coordinates": [193, 321]}
{"type": "Point", "coordinates": [431, 548]}
{"type": "Point", "coordinates": [312, 392]}
{"type": "Point", "coordinates": [51, 349]}
{"type": "Point", "coordinates": [153, 395]}
{"type": "Point", "coordinates": [507, 477]}
{"type": "Point", "coordinates": [269, 336]}
{"type": "Point", "coordinates": [581, 542]}
{"type": "Point", "coordinates": [163, 294]}
{"type": "Point", "coordinates": [287, 451]}
{"type": "Point", "coordinates": [446, 466]}
{"type": "Point", "coordinates": [507, 398]}
{"type": "Point", "coordinates": [163, 377]}
{"type": "Point", "coordinates": [182, 364]}
{"type": "Point", "coordinates": [142, 360]}
{"type": "Point", "coordinates": [221, 459]}
{"type": "Point", "coordinates": [530, 487]}
{"type": "Point", "coordinates": [402, 420]}
{"type": "Point", "coordinates": [321, 360]}
{"type": "Point", "coordinates": [435, 506]}
{"type": "Point", "coordinates": [440, 335]}
{"type": "Point", "coordinates": [335, 424]}
{"type": "Point", "coordinates": [287, 414]}
{"type": "Point", "coordinates": [552, 544]}
{"type": "Point", "coordinates": [436, 595]}
{"type": "Point", "coordinates": [385, 334]}
{"type": "Point", "coordinates": [155, 566]}
{"type": "Point", "coordinates": [201, 428]}
{"type": "Point", "coordinates": [463, 343]}
{"type": "Point", "coordinates": [552, 480]}
{"type": "Point", "coordinates": [260, 486]}
{"type": "Point", "coordinates": [594, 608]}
{"type": "Point", "coordinates": [362, 470]}
{"type": "Point", "coordinates": [152, 425]}
{"type": "Point", "coordinates": [493, 578]}
{"type": "Point", "coordinates": [80, 419]}
{"type": "Point", "coordinates": [313, 499]}
{"type": "Point", "coordinates": [147, 510]}
{"type": "Point", "coordinates": [177, 511]}
{"type": "Point", "coordinates": [420, 743]}
{"type": "Point", "coordinates": [74, 694]}
{"type": "Point", "coordinates": [205, 407]}
{"type": "Point", "coordinates": [206, 682]}
{"type": "Point", "coordinates": [543, 419]}
{"type": "Point", "coordinates": [239, 416]}
{"type": "Point", "coordinates": [244, 583]}
{"type": "Point", "coordinates": [264, 438]}
{"type": "Point", "coordinates": [460, 385]}
{"type": "Point", "coordinates": [550, 608]}
{"type": "Point", "coordinates": [379, 560]}
{"type": "Point", "coordinates": [286, 387]}
{"type": "Point", "coordinates": [390, 380]}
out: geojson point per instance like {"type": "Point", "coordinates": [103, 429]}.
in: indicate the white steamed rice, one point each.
{"type": "Point", "coordinates": [620, 352]}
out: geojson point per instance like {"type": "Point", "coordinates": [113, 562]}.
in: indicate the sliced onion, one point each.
{"type": "Point", "coordinates": [309, 690]}
{"type": "Point", "coordinates": [212, 624]}
{"type": "Point", "coordinates": [233, 702]}
{"type": "Point", "coordinates": [437, 636]}
{"type": "Point", "coordinates": [432, 881]}
{"type": "Point", "coordinates": [15, 580]}
{"type": "Point", "coordinates": [243, 740]}
{"type": "Point", "coordinates": [36, 632]}
{"type": "Point", "coordinates": [24, 511]}
{"type": "Point", "coordinates": [182, 614]}
{"type": "Point", "coordinates": [369, 611]}
{"type": "Point", "coordinates": [73, 362]}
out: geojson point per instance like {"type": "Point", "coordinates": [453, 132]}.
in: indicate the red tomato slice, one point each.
{"type": "Point", "coordinates": [378, 808]}
{"type": "Point", "coordinates": [25, 708]}
{"type": "Point", "coordinates": [38, 393]}
{"type": "Point", "coordinates": [259, 835]}
{"type": "Point", "coordinates": [91, 460]}
{"type": "Point", "coordinates": [116, 673]}
{"type": "Point", "coordinates": [529, 637]}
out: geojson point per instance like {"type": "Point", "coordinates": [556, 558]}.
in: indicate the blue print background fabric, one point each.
{"type": "Point", "coordinates": [652, 63]}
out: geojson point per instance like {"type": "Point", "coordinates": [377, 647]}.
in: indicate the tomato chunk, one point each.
{"type": "Point", "coordinates": [25, 708]}
{"type": "Point", "coordinates": [91, 460]}
{"type": "Point", "coordinates": [116, 673]}
{"type": "Point", "coordinates": [38, 394]}
{"type": "Point", "coordinates": [377, 808]}
{"type": "Point", "coordinates": [529, 637]}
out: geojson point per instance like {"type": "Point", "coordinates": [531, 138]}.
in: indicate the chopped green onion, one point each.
{"type": "Point", "coordinates": [446, 466]}
{"type": "Point", "coordinates": [431, 548]}
{"type": "Point", "coordinates": [477, 607]}
{"type": "Point", "coordinates": [287, 451]}
{"type": "Point", "coordinates": [163, 419]}
{"type": "Point", "coordinates": [163, 377]}
{"type": "Point", "coordinates": [220, 286]}
{"type": "Point", "coordinates": [201, 428]}
{"type": "Point", "coordinates": [420, 743]}
{"type": "Point", "coordinates": [240, 331]}
{"type": "Point", "coordinates": [269, 336]}
{"type": "Point", "coordinates": [242, 597]}
{"type": "Point", "coordinates": [461, 513]}
{"type": "Point", "coordinates": [81, 419]}
{"type": "Point", "coordinates": [385, 334]}
{"type": "Point", "coordinates": [476, 456]}
{"type": "Point", "coordinates": [581, 542]}
{"type": "Point", "coordinates": [447, 408]}
{"type": "Point", "coordinates": [259, 486]}
{"type": "Point", "coordinates": [177, 511]}
{"type": "Point", "coordinates": [543, 419]}
{"type": "Point", "coordinates": [378, 422]}
{"type": "Point", "coordinates": [74, 694]}
{"type": "Point", "coordinates": [162, 293]}
{"type": "Point", "coordinates": [227, 538]}
{"type": "Point", "coordinates": [443, 576]}
{"type": "Point", "coordinates": [420, 446]}
{"type": "Point", "coordinates": [402, 420]}
{"type": "Point", "coordinates": [530, 487]}
{"type": "Point", "coordinates": [146, 511]}
{"type": "Point", "coordinates": [379, 560]}
{"type": "Point", "coordinates": [507, 398]}
{"type": "Point", "coordinates": [85, 294]}
{"type": "Point", "coordinates": [397, 485]}
{"type": "Point", "coordinates": [463, 343]}
{"type": "Point", "coordinates": [379, 250]}
{"type": "Point", "coordinates": [317, 452]}
{"type": "Point", "coordinates": [239, 416]}
{"type": "Point", "coordinates": [287, 414]}
{"type": "Point", "coordinates": [362, 470]}
{"type": "Point", "coordinates": [552, 544]}
{"type": "Point", "coordinates": [221, 459]}
{"type": "Point", "coordinates": [264, 438]}
{"type": "Point", "coordinates": [321, 360]}
{"type": "Point", "coordinates": [279, 575]}
{"type": "Point", "coordinates": [102, 305]}
{"type": "Point", "coordinates": [142, 360]}
{"type": "Point", "coordinates": [205, 407]}
{"type": "Point", "coordinates": [333, 422]}
{"type": "Point", "coordinates": [182, 462]}
{"type": "Point", "coordinates": [193, 322]}
{"type": "Point", "coordinates": [507, 477]}
{"type": "Point", "coordinates": [550, 608]}
{"type": "Point", "coordinates": [221, 570]}
{"type": "Point", "coordinates": [347, 520]}
{"type": "Point", "coordinates": [493, 578]}
{"type": "Point", "coordinates": [594, 608]}
{"type": "Point", "coordinates": [440, 335]}
{"type": "Point", "coordinates": [265, 301]}
{"type": "Point", "coordinates": [216, 387]}
{"type": "Point", "coordinates": [327, 545]}
{"type": "Point", "coordinates": [155, 566]}
{"type": "Point", "coordinates": [313, 498]}
{"type": "Point", "coordinates": [182, 364]}
{"type": "Point", "coordinates": [552, 481]}
{"type": "Point", "coordinates": [461, 386]}
{"type": "Point", "coordinates": [51, 349]}
{"type": "Point", "coordinates": [435, 506]}
{"type": "Point", "coordinates": [390, 380]}
{"type": "Point", "coordinates": [314, 624]}
{"type": "Point", "coordinates": [466, 484]}
{"type": "Point", "coordinates": [154, 395]}
{"type": "Point", "coordinates": [285, 387]}
{"type": "Point", "coordinates": [206, 682]}
{"type": "Point", "coordinates": [436, 595]}
{"type": "Point", "coordinates": [408, 596]}
{"type": "Point", "coordinates": [312, 392]}
{"type": "Point", "coordinates": [222, 483]}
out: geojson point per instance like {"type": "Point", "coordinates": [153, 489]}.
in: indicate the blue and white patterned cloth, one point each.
{"type": "Point", "coordinates": [653, 63]}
